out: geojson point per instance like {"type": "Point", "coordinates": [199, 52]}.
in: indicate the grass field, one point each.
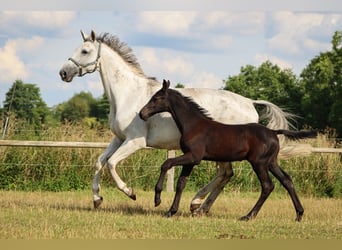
{"type": "Point", "coordinates": [69, 215]}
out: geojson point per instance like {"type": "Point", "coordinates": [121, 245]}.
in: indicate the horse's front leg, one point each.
{"type": "Point", "coordinates": [128, 147]}
{"type": "Point", "coordinates": [101, 161]}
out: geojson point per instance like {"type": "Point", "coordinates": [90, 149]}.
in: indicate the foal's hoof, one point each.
{"type": "Point", "coordinates": [168, 214]}
{"type": "Point", "coordinates": [299, 216]}
{"type": "Point", "coordinates": [245, 218]}
{"type": "Point", "coordinates": [157, 202]}
{"type": "Point", "coordinates": [132, 195]}
{"type": "Point", "coordinates": [98, 202]}
{"type": "Point", "coordinates": [194, 207]}
{"type": "Point", "coordinates": [199, 212]}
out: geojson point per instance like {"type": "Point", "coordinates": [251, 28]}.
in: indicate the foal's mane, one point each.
{"type": "Point", "coordinates": [123, 50]}
{"type": "Point", "coordinates": [191, 103]}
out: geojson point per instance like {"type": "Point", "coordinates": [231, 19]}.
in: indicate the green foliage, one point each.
{"type": "Point", "coordinates": [84, 108]}
{"type": "Point", "coordinates": [322, 83]}
{"type": "Point", "coordinates": [25, 102]}
{"type": "Point", "coordinates": [268, 82]}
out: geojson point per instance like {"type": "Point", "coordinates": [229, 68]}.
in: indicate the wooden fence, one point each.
{"type": "Point", "coordinates": [171, 153]}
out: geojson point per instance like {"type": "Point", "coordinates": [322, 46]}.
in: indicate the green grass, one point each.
{"type": "Point", "coordinates": [69, 215]}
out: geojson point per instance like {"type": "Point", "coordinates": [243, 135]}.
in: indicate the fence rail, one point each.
{"type": "Point", "coordinates": [20, 143]}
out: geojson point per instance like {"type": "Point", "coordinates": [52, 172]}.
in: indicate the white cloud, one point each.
{"type": "Point", "coordinates": [297, 32]}
{"type": "Point", "coordinates": [167, 62]}
{"type": "Point", "coordinates": [13, 67]}
{"type": "Point", "coordinates": [283, 64]}
{"type": "Point", "coordinates": [41, 19]}
{"type": "Point", "coordinates": [246, 23]}
{"type": "Point", "coordinates": [178, 67]}
{"type": "Point", "coordinates": [205, 80]}
{"type": "Point", "coordinates": [176, 23]}
{"type": "Point", "coordinates": [26, 45]}
{"type": "Point", "coordinates": [221, 41]}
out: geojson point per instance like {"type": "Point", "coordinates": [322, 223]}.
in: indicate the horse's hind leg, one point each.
{"type": "Point", "coordinates": [267, 187]}
{"type": "Point", "coordinates": [128, 147]}
{"type": "Point", "coordinates": [287, 183]}
{"type": "Point", "coordinates": [215, 187]}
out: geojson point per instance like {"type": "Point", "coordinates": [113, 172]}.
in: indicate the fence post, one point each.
{"type": "Point", "coordinates": [170, 173]}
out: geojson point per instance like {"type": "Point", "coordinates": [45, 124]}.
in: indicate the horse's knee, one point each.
{"type": "Point", "coordinates": [98, 165]}
{"type": "Point", "coordinates": [267, 187]}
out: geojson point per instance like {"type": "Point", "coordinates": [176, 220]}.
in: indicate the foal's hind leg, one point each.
{"type": "Point", "coordinates": [224, 173]}
{"type": "Point", "coordinates": [286, 181]}
{"type": "Point", "coordinates": [267, 187]}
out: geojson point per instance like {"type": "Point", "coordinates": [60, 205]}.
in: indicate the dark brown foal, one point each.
{"type": "Point", "coordinates": [204, 139]}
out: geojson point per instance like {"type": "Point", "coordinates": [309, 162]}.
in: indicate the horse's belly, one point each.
{"type": "Point", "coordinates": [163, 132]}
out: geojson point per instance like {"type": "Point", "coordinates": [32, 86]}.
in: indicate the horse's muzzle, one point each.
{"type": "Point", "coordinates": [143, 116]}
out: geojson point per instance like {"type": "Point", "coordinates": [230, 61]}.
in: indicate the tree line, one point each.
{"type": "Point", "coordinates": [315, 96]}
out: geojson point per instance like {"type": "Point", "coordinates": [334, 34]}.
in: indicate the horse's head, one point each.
{"type": "Point", "coordinates": [84, 60]}
{"type": "Point", "coordinates": [157, 104]}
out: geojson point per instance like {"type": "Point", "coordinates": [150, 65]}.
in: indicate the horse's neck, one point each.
{"type": "Point", "coordinates": [121, 82]}
{"type": "Point", "coordinates": [185, 117]}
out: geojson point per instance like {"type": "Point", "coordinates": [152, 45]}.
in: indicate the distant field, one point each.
{"type": "Point", "coordinates": [69, 215]}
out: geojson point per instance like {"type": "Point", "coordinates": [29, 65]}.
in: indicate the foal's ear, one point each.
{"type": "Point", "coordinates": [166, 84]}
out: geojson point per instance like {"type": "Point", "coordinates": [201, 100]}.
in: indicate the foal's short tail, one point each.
{"type": "Point", "coordinates": [296, 135]}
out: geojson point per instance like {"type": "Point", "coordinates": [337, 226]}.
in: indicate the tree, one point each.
{"type": "Point", "coordinates": [179, 86]}
{"type": "Point", "coordinates": [100, 109]}
{"type": "Point", "coordinates": [268, 82]}
{"type": "Point", "coordinates": [77, 108]}
{"type": "Point", "coordinates": [25, 102]}
{"type": "Point", "coordinates": [322, 82]}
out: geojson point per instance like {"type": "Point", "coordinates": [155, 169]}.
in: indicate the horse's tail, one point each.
{"type": "Point", "coordinates": [279, 119]}
{"type": "Point", "coordinates": [296, 135]}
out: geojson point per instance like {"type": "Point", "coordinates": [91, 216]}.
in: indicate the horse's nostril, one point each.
{"type": "Point", "coordinates": [63, 74]}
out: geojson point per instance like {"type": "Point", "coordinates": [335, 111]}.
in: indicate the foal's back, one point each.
{"type": "Point", "coordinates": [239, 142]}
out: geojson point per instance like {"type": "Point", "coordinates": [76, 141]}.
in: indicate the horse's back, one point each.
{"type": "Point", "coordinates": [223, 106]}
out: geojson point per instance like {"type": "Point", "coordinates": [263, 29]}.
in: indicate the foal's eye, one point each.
{"type": "Point", "coordinates": [84, 52]}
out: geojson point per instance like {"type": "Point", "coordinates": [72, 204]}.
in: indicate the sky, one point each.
{"type": "Point", "coordinates": [196, 43]}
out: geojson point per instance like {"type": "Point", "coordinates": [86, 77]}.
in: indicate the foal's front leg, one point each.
{"type": "Point", "coordinates": [186, 159]}
{"type": "Point", "coordinates": [182, 180]}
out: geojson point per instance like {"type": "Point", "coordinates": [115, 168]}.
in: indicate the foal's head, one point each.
{"type": "Point", "coordinates": [158, 103]}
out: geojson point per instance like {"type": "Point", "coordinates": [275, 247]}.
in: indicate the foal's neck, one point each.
{"type": "Point", "coordinates": [185, 117]}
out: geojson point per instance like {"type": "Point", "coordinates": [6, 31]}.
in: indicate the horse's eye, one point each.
{"type": "Point", "coordinates": [84, 52]}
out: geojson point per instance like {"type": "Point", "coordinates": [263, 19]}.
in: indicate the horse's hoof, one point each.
{"type": "Point", "coordinates": [98, 202]}
{"type": "Point", "coordinates": [132, 195]}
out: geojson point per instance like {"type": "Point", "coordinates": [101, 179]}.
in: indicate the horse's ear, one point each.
{"type": "Point", "coordinates": [166, 84]}
{"type": "Point", "coordinates": [93, 36]}
{"type": "Point", "coordinates": [83, 36]}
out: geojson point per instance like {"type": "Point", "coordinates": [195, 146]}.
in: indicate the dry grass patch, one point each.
{"type": "Point", "coordinates": [69, 215]}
